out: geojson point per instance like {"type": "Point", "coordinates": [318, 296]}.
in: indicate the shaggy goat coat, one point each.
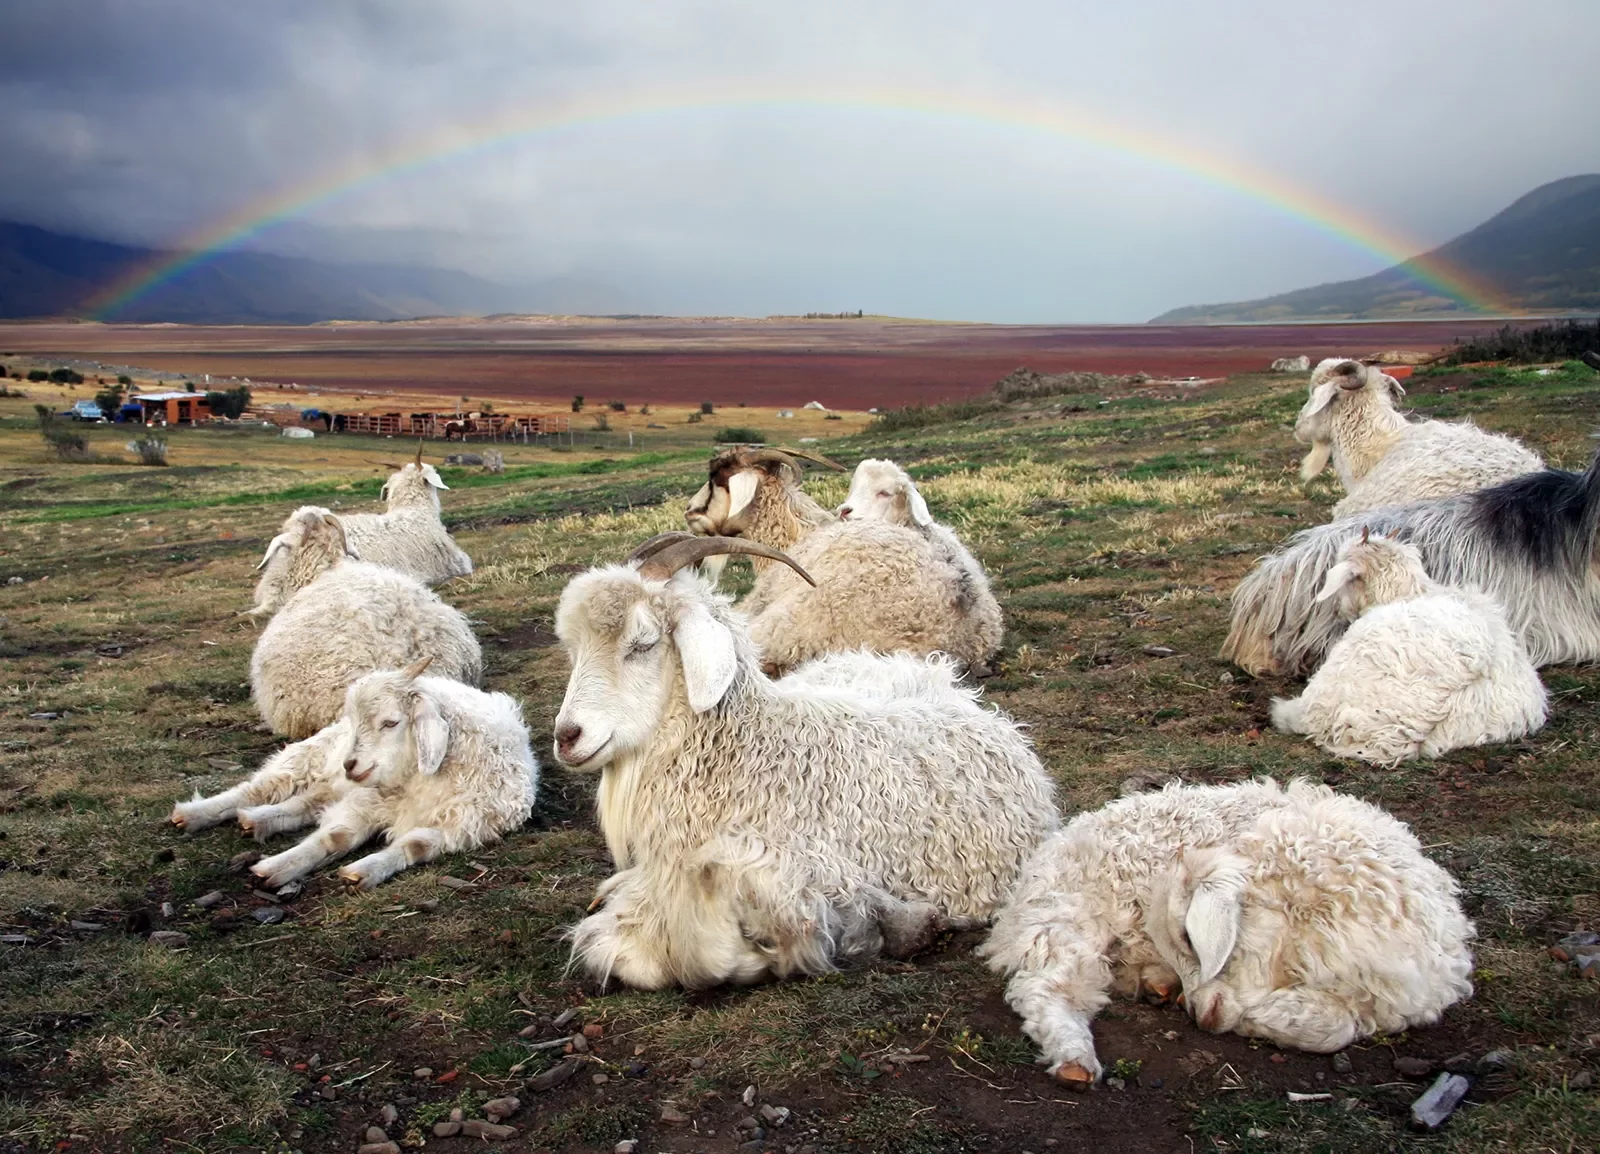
{"type": "Point", "coordinates": [757, 499]}
{"type": "Point", "coordinates": [290, 789]}
{"type": "Point", "coordinates": [880, 586]}
{"type": "Point", "coordinates": [1382, 458]}
{"type": "Point", "coordinates": [776, 828]}
{"type": "Point", "coordinates": [435, 766]}
{"type": "Point", "coordinates": [1297, 915]}
{"type": "Point", "coordinates": [1423, 670]}
{"type": "Point", "coordinates": [353, 619]}
{"type": "Point", "coordinates": [1527, 544]}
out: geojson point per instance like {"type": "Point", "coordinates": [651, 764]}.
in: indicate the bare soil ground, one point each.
{"type": "Point", "coordinates": [780, 362]}
{"type": "Point", "coordinates": [1109, 527]}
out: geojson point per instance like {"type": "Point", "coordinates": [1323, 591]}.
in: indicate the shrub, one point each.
{"type": "Point", "coordinates": [38, 375]}
{"type": "Point", "coordinates": [602, 423]}
{"type": "Point", "coordinates": [69, 444]}
{"type": "Point", "coordinates": [707, 408]}
{"type": "Point", "coordinates": [65, 376]}
{"type": "Point", "coordinates": [124, 380]}
{"type": "Point", "coordinates": [110, 400]}
{"type": "Point", "coordinates": [1563, 340]}
{"type": "Point", "coordinates": [151, 451]}
{"type": "Point", "coordinates": [695, 418]}
{"type": "Point", "coordinates": [738, 434]}
{"type": "Point", "coordinates": [577, 403]}
{"type": "Point", "coordinates": [618, 407]}
{"type": "Point", "coordinates": [231, 403]}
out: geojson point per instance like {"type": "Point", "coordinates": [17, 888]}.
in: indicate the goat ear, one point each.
{"type": "Point", "coordinates": [1342, 574]}
{"type": "Point", "coordinates": [1212, 919]}
{"type": "Point", "coordinates": [919, 508]}
{"type": "Point", "coordinates": [278, 542]}
{"type": "Point", "coordinates": [706, 650]}
{"type": "Point", "coordinates": [1397, 391]}
{"type": "Point", "coordinates": [431, 475]}
{"type": "Point", "coordinates": [741, 491]}
{"type": "Point", "coordinates": [431, 733]}
{"type": "Point", "coordinates": [1326, 394]}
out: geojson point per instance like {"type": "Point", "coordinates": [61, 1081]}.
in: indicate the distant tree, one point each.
{"type": "Point", "coordinates": [124, 380]}
{"type": "Point", "coordinates": [618, 407]}
{"type": "Point", "coordinates": [38, 375]}
{"type": "Point", "coordinates": [66, 376]}
{"type": "Point", "coordinates": [188, 386]}
{"type": "Point", "coordinates": [707, 408]}
{"type": "Point", "coordinates": [69, 443]}
{"type": "Point", "coordinates": [602, 423]}
{"type": "Point", "coordinates": [110, 400]}
{"type": "Point", "coordinates": [577, 403]}
{"type": "Point", "coordinates": [231, 403]}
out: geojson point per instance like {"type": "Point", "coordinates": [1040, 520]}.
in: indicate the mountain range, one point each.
{"type": "Point", "coordinates": [1540, 255]}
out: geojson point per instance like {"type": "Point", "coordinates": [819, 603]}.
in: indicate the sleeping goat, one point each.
{"type": "Point", "coordinates": [1384, 459]}
{"type": "Point", "coordinates": [764, 828]}
{"type": "Point", "coordinates": [1423, 669]}
{"type": "Point", "coordinates": [436, 766]}
{"type": "Point", "coordinates": [1296, 915]}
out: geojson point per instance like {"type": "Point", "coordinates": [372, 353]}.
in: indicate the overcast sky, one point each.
{"type": "Point", "coordinates": [149, 121]}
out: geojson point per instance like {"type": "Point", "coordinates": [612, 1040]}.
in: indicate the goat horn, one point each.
{"type": "Point", "coordinates": [657, 543]}
{"type": "Point", "coordinates": [419, 452]}
{"type": "Point", "coordinates": [817, 458]}
{"type": "Point", "coordinates": [1365, 529]}
{"type": "Point", "coordinates": [667, 557]}
{"type": "Point", "coordinates": [414, 670]}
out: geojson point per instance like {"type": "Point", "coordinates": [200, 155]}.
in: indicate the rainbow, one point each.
{"type": "Point", "coordinates": [1054, 120]}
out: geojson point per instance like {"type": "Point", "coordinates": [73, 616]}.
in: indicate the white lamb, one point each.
{"type": "Point", "coordinates": [775, 828]}
{"type": "Point", "coordinates": [1382, 458]}
{"type": "Point", "coordinates": [436, 766]}
{"type": "Point", "coordinates": [1424, 668]}
{"type": "Point", "coordinates": [408, 537]}
{"type": "Point", "coordinates": [351, 619]}
{"type": "Point", "coordinates": [290, 789]}
{"type": "Point", "coordinates": [1297, 915]}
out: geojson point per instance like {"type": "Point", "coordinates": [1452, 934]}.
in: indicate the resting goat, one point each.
{"type": "Point", "coordinates": [755, 494]}
{"type": "Point", "coordinates": [1297, 915]}
{"type": "Point", "coordinates": [1527, 544]}
{"type": "Point", "coordinates": [408, 537]}
{"type": "Point", "coordinates": [436, 766]}
{"type": "Point", "coordinates": [1382, 458]}
{"type": "Point", "coordinates": [1423, 669]}
{"type": "Point", "coordinates": [350, 619]}
{"type": "Point", "coordinates": [774, 828]}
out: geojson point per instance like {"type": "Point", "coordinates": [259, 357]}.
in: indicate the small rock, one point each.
{"type": "Point", "coordinates": [1413, 1067]}
{"type": "Point", "coordinates": [446, 1129]}
{"type": "Point", "coordinates": [498, 1108]}
{"type": "Point", "coordinates": [580, 1044]}
{"type": "Point", "coordinates": [1569, 947]}
{"type": "Point", "coordinates": [472, 1128]}
{"type": "Point", "coordinates": [570, 1014]}
{"type": "Point", "coordinates": [600, 1079]}
{"type": "Point", "coordinates": [460, 885]}
{"type": "Point", "coordinates": [1225, 679]}
{"type": "Point", "coordinates": [13, 580]}
{"type": "Point", "coordinates": [426, 906]}
{"type": "Point", "coordinates": [747, 1123]}
{"type": "Point", "coordinates": [291, 890]}
{"type": "Point", "coordinates": [384, 1147]}
{"type": "Point", "coordinates": [224, 764]}
{"type": "Point", "coordinates": [1155, 1084]}
{"type": "Point", "coordinates": [553, 1077]}
{"type": "Point", "coordinates": [774, 1115]}
{"type": "Point", "coordinates": [1430, 1111]}
{"type": "Point", "coordinates": [1495, 1060]}
{"type": "Point", "coordinates": [1158, 651]}
{"type": "Point", "coordinates": [1278, 1059]}
{"type": "Point", "coordinates": [749, 1096]}
{"type": "Point", "coordinates": [376, 1134]}
{"type": "Point", "coordinates": [389, 1115]}
{"type": "Point", "coordinates": [530, 1031]}
{"type": "Point", "coordinates": [422, 1073]}
{"type": "Point", "coordinates": [167, 910]}
{"type": "Point", "coordinates": [329, 1093]}
{"type": "Point", "coordinates": [457, 1114]}
{"type": "Point", "coordinates": [172, 939]}
{"type": "Point", "coordinates": [206, 901]}
{"type": "Point", "coordinates": [635, 1069]}
{"type": "Point", "coordinates": [626, 1146]}
{"type": "Point", "coordinates": [87, 927]}
{"type": "Point", "coordinates": [240, 862]}
{"type": "Point", "coordinates": [43, 716]}
{"type": "Point", "coordinates": [673, 1116]}
{"type": "Point", "coordinates": [594, 1031]}
{"type": "Point", "coordinates": [1341, 1063]}
{"type": "Point", "coordinates": [448, 1076]}
{"type": "Point", "coordinates": [697, 1063]}
{"type": "Point", "coordinates": [269, 915]}
{"type": "Point", "coordinates": [1257, 1132]}
{"type": "Point", "coordinates": [1582, 1080]}
{"type": "Point", "coordinates": [1115, 1084]}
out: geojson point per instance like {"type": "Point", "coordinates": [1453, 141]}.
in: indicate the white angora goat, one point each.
{"type": "Point", "coordinates": [1384, 459]}
{"type": "Point", "coordinates": [1424, 668]}
{"type": "Point", "coordinates": [434, 765]}
{"type": "Point", "coordinates": [1297, 915]}
{"type": "Point", "coordinates": [765, 828]}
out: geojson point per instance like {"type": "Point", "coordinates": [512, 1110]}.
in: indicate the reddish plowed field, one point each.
{"type": "Point", "coordinates": [844, 364]}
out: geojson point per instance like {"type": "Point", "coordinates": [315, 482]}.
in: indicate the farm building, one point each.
{"type": "Point", "coordinates": [449, 426]}
{"type": "Point", "coordinates": [173, 408]}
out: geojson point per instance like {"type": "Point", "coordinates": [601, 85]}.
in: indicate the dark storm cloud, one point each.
{"type": "Point", "coordinates": [149, 121]}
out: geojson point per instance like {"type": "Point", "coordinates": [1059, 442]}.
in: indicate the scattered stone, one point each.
{"type": "Point", "coordinates": [1159, 651]}
{"type": "Point", "coordinates": [1116, 1084]}
{"type": "Point", "coordinates": [1414, 1067]}
{"type": "Point", "coordinates": [224, 764]}
{"type": "Point", "coordinates": [446, 1129]}
{"type": "Point", "coordinates": [1155, 1084]}
{"type": "Point", "coordinates": [1225, 678]}
{"type": "Point", "coordinates": [291, 890]}
{"type": "Point", "coordinates": [1257, 1132]}
{"type": "Point", "coordinates": [240, 862]}
{"type": "Point", "coordinates": [1430, 1111]}
{"type": "Point", "coordinates": [1341, 1063]}
{"type": "Point", "coordinates": [749, 1096]}
{"type": "Point", "coordinates": [1582, 1080]}
{"type": "Point", "coordinates": [43, 716]}
{"type": "Point", "coordinates": [747, 1123]}
{"type": "Point", "coordinates": [498, 1108]}
{"type": "Point", "coordinates": [328, 1092]}
{"type": "Point", "coordinates": [570, 1014]}
{"type": "Point", "coordinates": [472, 1128]}
{"type": "Point", "coordinates": [673, 1116]}
{"type": "Point", "coordinates": [626, 1146]}
{"type": "Point", "coordinates": [1495, 1060]}
{"type": "Point", "coordinates": [448, 1076]}
{"type": "Point", "coordinates": [460, 885]}
{"type": "Point", "coordinates": [594, 1031]}
{"type": "Point", "coordinates": [635, 1069]}
{"type": "Point", "coordinates": [87, 927]}
{"type": "Point", "coordinates": [580, 1044]}
{"type": "Point", "coordinates": [457, 1114]}
{"type": "Point", "coordinates": [13, 580]}
{"type": "Point", "coordinates": [1572, 945]}
{"type": "Point", "coordinates": [697, 1063]}
{"type": "Point", "coordinates": [1278, 1058]}
{"type": "Point", "coordinates": [600, 1079]}
{"type": "Point", "coordinates": [376, 1134]}
{"type": "Point", "coordinates": [553, 1077]}
{"type": "Point", "coordinates": [269, 915]}
{"type": "Point", "coordinates": [384, 1147]}
{"type": "Point", "coordinates": [530, 1031]}
{"type": "Point", "coordinates": [172, 939]}
{"type": "Point", "coordinates": [389, 1114]}
{"type": "Point", "coordinates": [774, 1116]}
{"type": "Point", "coordinates": [422, 1073]}
{"type": "Point", "coordinates": [426, 906]}
{"type": "Point", "coordinates": [206, 901]}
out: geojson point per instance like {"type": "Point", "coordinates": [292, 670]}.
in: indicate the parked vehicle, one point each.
{"type": "Point", "coordinates": [85, 411]}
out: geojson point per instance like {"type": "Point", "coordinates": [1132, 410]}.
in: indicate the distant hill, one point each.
{"type": "Point", "coordinates": [45, 273]}
{"type": "Point", "coordinates": [1542, 254]}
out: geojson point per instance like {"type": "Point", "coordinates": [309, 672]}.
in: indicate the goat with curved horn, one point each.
{"type": "Point", "coordinates": [664, 554]}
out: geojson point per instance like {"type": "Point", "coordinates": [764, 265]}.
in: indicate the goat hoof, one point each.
{"type": "Point", "coordinates": [246, 825]}
{"type": "Point", "coordinates": [1158, 993]}
{"type": "Point", "coordinates": [1073, 1076]}
{"type": "Point", "coordinates": [351, 876]}
{"type": "Point", "coordinates": [178, 820]}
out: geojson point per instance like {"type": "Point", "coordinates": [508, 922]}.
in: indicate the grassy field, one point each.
{"type": "Point", "coordinates": [1111, 523]}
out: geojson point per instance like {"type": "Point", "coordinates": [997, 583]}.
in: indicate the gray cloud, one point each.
{"type": "Point", "coordinates": [150, 121]}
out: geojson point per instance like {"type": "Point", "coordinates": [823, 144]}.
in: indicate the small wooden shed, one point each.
{"type": "Point", "coordinates": [173, 408]}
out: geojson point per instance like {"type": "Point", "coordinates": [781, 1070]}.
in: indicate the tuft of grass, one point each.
{"type": "Point", "coordinates": [738, 435]}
